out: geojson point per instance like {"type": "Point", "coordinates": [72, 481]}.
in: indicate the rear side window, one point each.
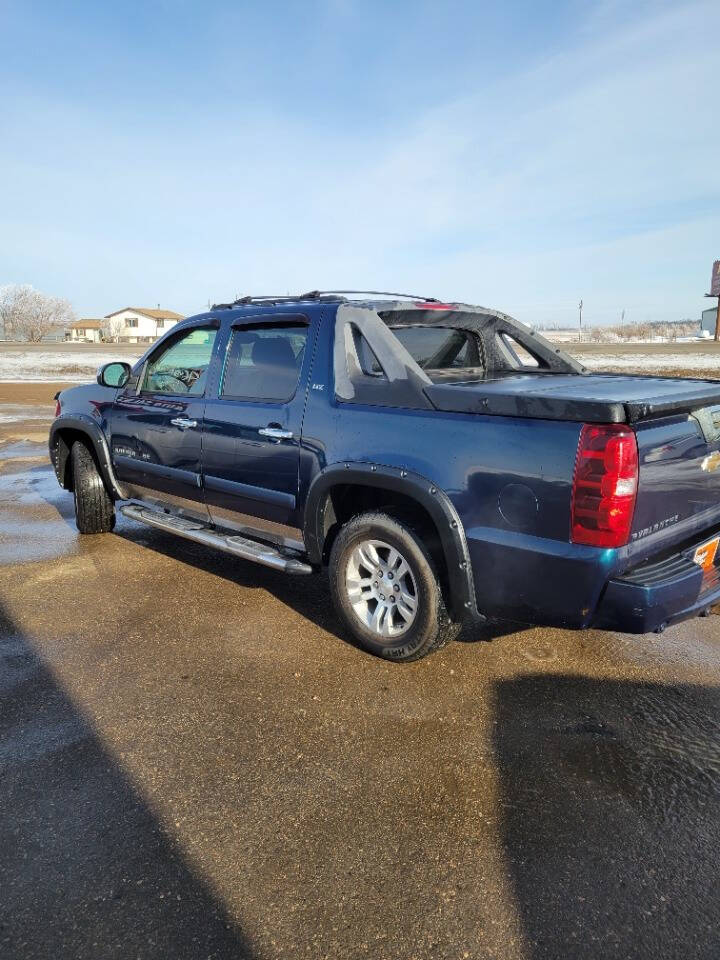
{"type": "Point", "coordinates": [517, 354]}
{"type": "Point", "coordinates": [263, 363]}
{"type": "Point", "coordinates": [440, 348]}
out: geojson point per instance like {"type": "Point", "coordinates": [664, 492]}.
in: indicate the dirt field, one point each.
{"type": "Point", "coordinates": [195, 762]}
{"type": "Point", "coordinates": [701, 360]}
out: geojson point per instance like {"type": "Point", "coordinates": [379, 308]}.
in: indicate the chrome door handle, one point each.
{"type": "Point", "coordinates": [183, 422]}
{"type": "Point", "coordinates": [275, 433]}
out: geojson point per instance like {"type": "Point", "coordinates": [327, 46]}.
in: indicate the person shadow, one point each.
{"type": "Point", "coordinates": [610, 815]}
{"type": "Point", "coordinates": [86, 868]}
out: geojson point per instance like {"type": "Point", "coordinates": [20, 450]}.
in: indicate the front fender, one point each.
{"type": "Point", "coordinates": [67, 427]}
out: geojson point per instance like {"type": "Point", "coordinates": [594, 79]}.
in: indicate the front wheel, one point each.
{"type": "Point", "coordinates": [386, 590]}
{"type": "Point", "coordinates": [94, 510]}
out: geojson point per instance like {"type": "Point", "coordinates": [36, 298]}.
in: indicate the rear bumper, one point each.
{"type": "Point", "coordinates": [656, 595]}
{"type": "Point", "coordinates": [530, 579]}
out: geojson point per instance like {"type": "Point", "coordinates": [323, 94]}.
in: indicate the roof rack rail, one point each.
{"type": "Point", "coordinates": [261, 298]}
{"type": "Point", "coordinates": [317, 295]}
{"type": "Point", "coordinates": [374, 293]}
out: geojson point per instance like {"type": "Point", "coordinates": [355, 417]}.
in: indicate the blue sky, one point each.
{"type": "Point", "coordinates": [519, 155]}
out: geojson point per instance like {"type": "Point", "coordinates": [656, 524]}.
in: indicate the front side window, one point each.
{"type": "Point", "coordinates": [182, 367]}
{"type": "Point", "coordinates": [263, 363]}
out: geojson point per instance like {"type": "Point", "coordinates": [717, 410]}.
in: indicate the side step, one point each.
{"type": "Point", "coordinates": [238, 546]}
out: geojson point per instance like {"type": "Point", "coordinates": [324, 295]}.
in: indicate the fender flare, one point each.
{"type": "Point", "coordinates": [81, 423]}
{"type": "Point", "coordinates": [419, 488]}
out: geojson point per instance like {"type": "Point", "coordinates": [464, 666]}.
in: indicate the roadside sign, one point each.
{"type": "Point", "coordinates": [715, 280]}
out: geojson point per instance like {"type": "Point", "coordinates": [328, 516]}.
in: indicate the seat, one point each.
{"type": "Point", "coordinates": [273, 373]}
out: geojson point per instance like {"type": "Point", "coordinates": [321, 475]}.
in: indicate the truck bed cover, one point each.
{"type": "Point", "coordinates": [592, 398]}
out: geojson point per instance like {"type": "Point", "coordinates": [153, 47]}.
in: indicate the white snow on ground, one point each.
{"type": "Point", "coordinates": [80, 366]}
{"type": "Point", "coordinates": [654, 362]}
{"type": "Point", "coordinates": [15, 412]}
{"type": "Point", "coordinates": [49, 367]}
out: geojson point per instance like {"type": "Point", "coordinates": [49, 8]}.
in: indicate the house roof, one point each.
{"type": "Point", "coordinates": [86, 325]}
{"type": "Point", "coordinates": [147, 312]}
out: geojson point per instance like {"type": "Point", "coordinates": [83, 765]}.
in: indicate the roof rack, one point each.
{"type": "Point", "coordinates": [373, 293]}
{"type": "Point", "coordinates": [317, 295]}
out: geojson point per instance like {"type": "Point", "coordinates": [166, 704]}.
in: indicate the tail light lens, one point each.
{"type": "Point", "coordinates": [57, 408]}
{"type": "Point", "coordinates": [605, 486]}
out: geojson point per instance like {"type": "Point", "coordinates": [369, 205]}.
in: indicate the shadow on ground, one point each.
{"type": "Point", "coordinates": [86, 870]}
{"type": "Point", "coordinates": [611, 815]}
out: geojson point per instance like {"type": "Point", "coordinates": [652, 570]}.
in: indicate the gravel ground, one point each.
{"type": "Point", "coordinates": [196, 763]}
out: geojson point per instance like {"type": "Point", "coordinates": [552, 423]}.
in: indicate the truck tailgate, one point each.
{"type": "Point", "coordinates": [679, 482]}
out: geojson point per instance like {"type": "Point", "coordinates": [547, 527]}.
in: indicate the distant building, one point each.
{"type": "Point", "coordinates": [85, 330]}
{"type": "Point", "coordinates": [709, 317]}
{"type": "Point", "coordinates": [139, 324]}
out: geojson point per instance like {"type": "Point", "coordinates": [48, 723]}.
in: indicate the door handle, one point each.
{"type": "Point", "coordinates": [275, 433]}
{"type": "Point", "coordinates": [183, 422]}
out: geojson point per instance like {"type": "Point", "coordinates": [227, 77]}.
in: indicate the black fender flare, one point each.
{"type": "Point", "coordinates": [81, 423]}
{"type": "Point", "coordinates": [426, 493]}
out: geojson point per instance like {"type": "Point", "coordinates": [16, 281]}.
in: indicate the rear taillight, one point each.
{"type": "Point", "coordinates": [57, 408]}
{"type": "Point", "coordinates": [605, 486]}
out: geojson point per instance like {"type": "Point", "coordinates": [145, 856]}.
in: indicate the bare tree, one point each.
{"type": "Point", "coordinates": [28, 314]}
{"type": "Point", "coordinates": [112, 327]}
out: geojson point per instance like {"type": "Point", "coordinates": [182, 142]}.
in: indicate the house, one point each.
{"type": "Point", "coordinates": [709, 318]}
{"type": "Point", "coordinates": [139, 324]}
{"type": "Point", "coordinates": [85, 330]}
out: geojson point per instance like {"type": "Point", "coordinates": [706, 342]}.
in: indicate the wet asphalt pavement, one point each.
{"type": "Point", "coordinates": [195, 763]}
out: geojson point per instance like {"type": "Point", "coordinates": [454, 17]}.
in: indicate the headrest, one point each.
{"type": "Point", "coordinates": [273, 352]}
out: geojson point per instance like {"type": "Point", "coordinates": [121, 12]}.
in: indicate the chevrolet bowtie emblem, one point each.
{"type": "Point", "coordinates": [712, 463]}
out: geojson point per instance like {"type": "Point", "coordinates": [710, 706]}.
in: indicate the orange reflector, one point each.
{"type": "Point", "coordinates": [705, 555]}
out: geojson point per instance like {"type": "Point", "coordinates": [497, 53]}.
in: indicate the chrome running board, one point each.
{"type": "Point", "coordinates": [230, 543]}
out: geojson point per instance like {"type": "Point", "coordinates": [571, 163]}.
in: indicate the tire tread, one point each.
{"type": "Point", "coordinates": [94, 509]}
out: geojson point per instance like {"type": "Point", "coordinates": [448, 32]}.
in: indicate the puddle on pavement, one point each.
{"type": "Point", "coordinates": [663, 756]}
{"type": "Point", "coordinates": [36, 516]}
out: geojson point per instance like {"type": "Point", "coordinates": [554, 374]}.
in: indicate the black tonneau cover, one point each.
{"type": "Point", "coordinates": [589, 398]}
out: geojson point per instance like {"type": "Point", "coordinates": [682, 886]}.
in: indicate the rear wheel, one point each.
{"type": "Point", "coordinates": [386, 590]}
{"type": "Point", "coordinates": [94, 510]}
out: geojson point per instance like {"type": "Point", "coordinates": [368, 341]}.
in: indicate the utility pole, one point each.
{"type": "Point", "coordinates": [580, 306]}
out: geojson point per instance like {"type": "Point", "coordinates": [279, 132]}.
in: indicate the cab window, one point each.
{"type": "Point", "coordinates": [263, 363]}
{"type": "Point", "coordinates": [182, 367]}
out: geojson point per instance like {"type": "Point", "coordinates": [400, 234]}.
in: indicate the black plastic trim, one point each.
{"type": "Point", "coordinates": [158, 470]}
{"type": "Point", "coordinates": [84, 424]}
{"type": "Point", "coordinates": [250, 492]}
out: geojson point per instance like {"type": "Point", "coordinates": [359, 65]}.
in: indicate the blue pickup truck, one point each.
{"type": "Point", "coordinates": [443, 463]}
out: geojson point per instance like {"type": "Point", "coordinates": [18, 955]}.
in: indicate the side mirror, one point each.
{"type": "Point", "coordinates": [114, 374]}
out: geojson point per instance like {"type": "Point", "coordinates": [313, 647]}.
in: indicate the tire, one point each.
{"type": "Point", "coordinates": [367, 568]}
{"type": "Point", "coordinates": [94, 510]}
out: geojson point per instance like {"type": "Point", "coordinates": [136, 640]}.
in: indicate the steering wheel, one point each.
{"type": "Point", "coordinates": [166, 375]}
